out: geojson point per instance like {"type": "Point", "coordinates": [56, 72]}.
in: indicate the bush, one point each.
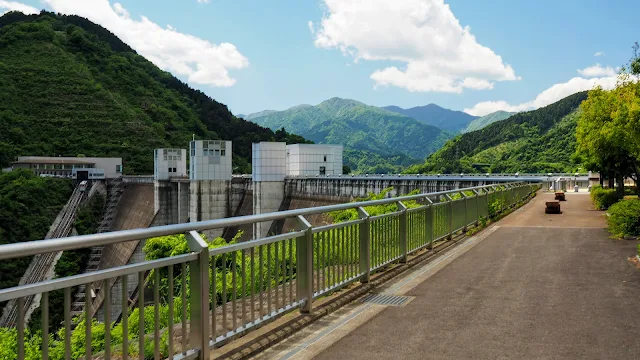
{"type": "Point", "coordinates": [603, 198]}
{"type": "Point", "coordinates": [495, 208]}
{"type": "Point", "coordinates": [624, 218]}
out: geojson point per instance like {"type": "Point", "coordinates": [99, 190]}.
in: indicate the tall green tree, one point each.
{"type": "Point", "coordinates": [608, 132]}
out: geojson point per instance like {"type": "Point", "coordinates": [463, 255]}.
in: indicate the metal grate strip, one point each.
{"type": "Point", "coordinates": [384, 299]}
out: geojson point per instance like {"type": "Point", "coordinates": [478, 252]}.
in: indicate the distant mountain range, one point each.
{"type": "Point", "coordinates": [375, 139]}
{"type": "Point", "coordinates": [434, 115]}
{"type": "Point", "coordinates": [481, 122]}
{"type": "Point", "coordinates": [541, 140]}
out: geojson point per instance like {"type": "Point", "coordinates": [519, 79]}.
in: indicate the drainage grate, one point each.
{"type": "Point", "coordinates": [382, 299]}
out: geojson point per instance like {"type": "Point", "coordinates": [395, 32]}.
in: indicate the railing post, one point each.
{"type": "Point", "coordinates": [403, 231]}
{"type": "Point", "coordinates": [466, 211]}
{"type": "Point", "coordinates": [428, 223]}
{"type": "Point", "coordinates": [199, 287]}
{"type": "Point", "coordinates": [450, 236]}
{"type": "Point", "coordinates": [477, 197]}
{"type": "Point", "coordinates": [365, 254]}
{"type": "Point", "coordinates": [304, 255]}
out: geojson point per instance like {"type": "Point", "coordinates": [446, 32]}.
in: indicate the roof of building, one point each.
{"type": "Point", "coordinates": [52, 160]}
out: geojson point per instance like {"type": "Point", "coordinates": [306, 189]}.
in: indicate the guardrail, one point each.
{"type": "Point", "coordinates": [226, 291]}
{"type": "Point", "coordinates": [137, 179]}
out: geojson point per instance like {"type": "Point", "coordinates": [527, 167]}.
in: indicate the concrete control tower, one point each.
{"type": "Point", "coordinates": [171, 196]}
{"type": "Point", "coordinates": [269, 170]}
{"type": "Point", "coordinates": [210, 177]}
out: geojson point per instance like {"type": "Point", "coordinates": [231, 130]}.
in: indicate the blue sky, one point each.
{"type": "Point", "coordinates": [516, 55]}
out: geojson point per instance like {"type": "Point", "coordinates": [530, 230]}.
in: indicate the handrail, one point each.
{"type": "Point", "coordinates": [262, 272]}
{"type": "Point", "coordinates": [30, 248]}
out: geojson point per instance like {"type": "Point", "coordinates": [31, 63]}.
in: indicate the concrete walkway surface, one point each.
{"type": "Point", "coordinates": [533, 286]}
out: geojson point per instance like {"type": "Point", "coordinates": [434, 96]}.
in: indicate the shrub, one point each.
{"type": "Point", "coordinates": [495, 208]}
{"type": "Point", "coordinates": [624, 218]}
{"type": "Point", "coordinates": [603, 198]}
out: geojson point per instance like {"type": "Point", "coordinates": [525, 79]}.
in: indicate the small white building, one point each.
{"type": "Point", "coordinates": [269, 161]}
{"type": "Point", "coordinates": [78, 167]}
{"type": "Point", "coordinates": [168, 163]}
{"type": "Point", "coordinates": [314, 159]}
{"type": "Point", "coordinates": [210, 160]}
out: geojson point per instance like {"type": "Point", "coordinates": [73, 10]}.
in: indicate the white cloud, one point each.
{"type": "Point", "coordinates": [204, 1]}
{"type": "Point", "coordinates": [599, 53]}
{"type": "Point", "coordinates": [548, 96]}
{"type": "Point", "coordinates": [437, 53]}
{"type": "Point", "coordinates": [596, 71]}
{"type": "Point", "coordinates": [6, 6]}
{"type": "Point", "coordinates": [200, 61]}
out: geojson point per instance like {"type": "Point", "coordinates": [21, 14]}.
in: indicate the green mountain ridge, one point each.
{"type": "Point", "coordinates": [434, 115]}
{"type": "Point", "coordinates": [486, 120]}
{"type": "Point", "coordinates": [69, 87]}
{"type": "Point", "coordinates": [398, 140]}
{"type": "Point", "coordinates": [541, 140]}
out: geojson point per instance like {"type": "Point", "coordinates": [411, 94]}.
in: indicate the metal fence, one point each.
{"type": "Point", "coordinates": [199, 300]}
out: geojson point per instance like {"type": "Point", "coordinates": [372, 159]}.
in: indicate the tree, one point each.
{"type": "Point", "coordinates": [608, 132]}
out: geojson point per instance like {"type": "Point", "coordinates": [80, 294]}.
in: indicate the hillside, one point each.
{"type": "Point", "coordinates": [542, 140]}
{"type": "Point", "coordinates": [28, 206]}
{"type": "Point", "coordinates": [69, 87]}
{"type": "Point", "coordinates": [488, 119]}
{"type": "Point", "coordinates": [434, 115]}
{"type": "Point", "coordinates": [394, 138]}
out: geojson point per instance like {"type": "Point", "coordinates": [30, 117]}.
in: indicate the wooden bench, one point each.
{"type": "Point", "coordinates": [560, 196]}
{"type": "Point", "coordinates": [552, 207]}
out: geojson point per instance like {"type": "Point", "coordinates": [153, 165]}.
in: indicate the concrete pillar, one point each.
{"type": "Point", "coordinates": [267, 197]}
{"type": "Point", "coordinates": [268, 173]}
{"type": "Point", "coordinates": [210, 182]}
{"type": "Point", "coordinates": [209, 200]}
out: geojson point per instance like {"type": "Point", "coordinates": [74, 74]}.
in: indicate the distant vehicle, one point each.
{"type": "Point", "coordinates": [83, 185]}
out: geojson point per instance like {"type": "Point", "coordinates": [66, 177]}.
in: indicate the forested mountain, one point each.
{"type": "Point", "coordinates": [483, 121]}
{"type": "Point", "coordinates": [69, 87]}
{"type": "Point", "coordinates": [542, 140]}
{"type": "Point", "coordinates": [394, 138]}
{"type": "Point", "coordinates": [434, 115]}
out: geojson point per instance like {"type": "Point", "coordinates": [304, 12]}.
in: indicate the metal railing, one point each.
{"type": "Point", "coordinates": [224, 292]}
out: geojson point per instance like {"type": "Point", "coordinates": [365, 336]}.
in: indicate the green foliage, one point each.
{"type": "Point", "coordinates": [352, 214]}
{"type": "Point", "coordinates": [364, 131]}
{"type": "Point", "coordinates": [608, 132]}
{"type": "Point", "coordinates": [495, 208]}
{"type": "Point", "coordinates": [89, 215]}
{"type": "Point", "coordinates": [535, 141]}
{"type": "Point", "coordinates": [28, 206]}
{"type": "Point", "coordinates": [603, 198]}
{"type": "Point", "coordinates": [70, 87]}
{"type": "Point", "coordinates": [486, 120]}
{"type": "Point", "coordinates": [368, 162]}
{"type": "Point", "coordinates": [624, 218]}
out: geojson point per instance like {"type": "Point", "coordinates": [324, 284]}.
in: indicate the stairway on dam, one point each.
{"type": "Point", "coordinates": [42, 266]}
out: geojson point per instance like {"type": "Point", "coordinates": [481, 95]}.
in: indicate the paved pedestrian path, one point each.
{"type": "Point", "coordinates": [533, 286]}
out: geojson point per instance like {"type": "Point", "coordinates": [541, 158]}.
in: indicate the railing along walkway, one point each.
{"type": "Point", "coordinates": [209, 295]}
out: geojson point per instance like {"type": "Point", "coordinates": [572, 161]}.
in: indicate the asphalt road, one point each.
{"type": "Point", "coordinates": [540, 287]}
